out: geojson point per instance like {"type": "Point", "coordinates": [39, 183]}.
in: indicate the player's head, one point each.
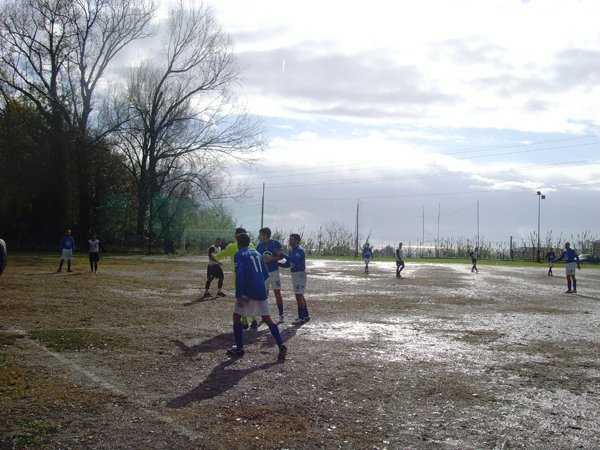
{"type": "Point", "coordinates": [264, 233]}
{"type": "Point", "coordinates": [218, 242]}
{"type": "Point", "coordinates": [68, 232]}
{"type": "Point", "coordinates": [567, 244]}
{"type": "Point", "coordinates": [400, 245]}
{"type": "Point", "coordinates": [239, 231]}
{"type": "Point", "coordinates": [243, 240]}
{"type": "Point", "coordinates": [294, 239]}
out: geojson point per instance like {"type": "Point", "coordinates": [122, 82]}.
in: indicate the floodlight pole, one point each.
{"type": "Point", "coordinates": [540, 198]}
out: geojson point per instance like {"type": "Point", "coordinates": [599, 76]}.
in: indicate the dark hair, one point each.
{"type": "Point", "coordinates": [295, 236]}
{"type": "Point", "coordinates": [243, 240]}
{"type": "Point", "coordinates": [240, 231]}
{"type": "Point", "coordinates": [265, 230]}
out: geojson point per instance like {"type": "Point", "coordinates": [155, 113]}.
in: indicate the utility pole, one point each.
{"type": "Point", "coordinates": [540, 198]}
{"type": "Point", "coordinates": [477, 224]}
{"type": "Point", "coordinates": [423, 231]}
{"type": "Point", "coordinates": [262, 209]}
{"type": "Point", "coordinates": [356, 241]}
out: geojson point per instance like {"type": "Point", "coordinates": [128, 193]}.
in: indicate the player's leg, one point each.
{"type": "Point", "coordinates": [574, 284]}
{"type": "Point", "coordinates": [274, 282]}
{"type": "Point", "coordinates": [91, 259]}
{"type": "Point", "coordinates": [279, 302]}
{"type": "Point", "coordinates": [220, 276]}
{"type": "Point", "coordinates": [253, 323]}
{"type": "Point", "coordinates": [209, 278]}
{"type": "Point", "coordinates": [299, 283]}
{"type": "Point", "coordinates": [274, 329]}
{"type": "Point", "coordinates": [60, 265]}
{"type": "Point", "coordinates": [238, 334]}
{"type": "Point", "coordinates": [69, 265]}
{"type": "Point", "coordinates": [220, 280]}
{"type": "Point", "coordinates": [397, 269]}
{"type": "Point", "coordinates": [305, 314]}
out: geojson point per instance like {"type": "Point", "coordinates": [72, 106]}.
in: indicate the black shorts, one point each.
{"type": "Point", "coordinates": [94, 257]}
{"type": "Point", "coordinates": [214, 271]}
{"type": "Point", "coordinates": [400, 263]}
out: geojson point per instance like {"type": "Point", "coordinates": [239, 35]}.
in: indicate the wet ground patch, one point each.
{"type": "Point", "coordinates": [441, 358]}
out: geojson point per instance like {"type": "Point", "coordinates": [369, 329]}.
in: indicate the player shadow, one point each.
{"type": "Point", "coordinates": [220, 380]}
{"type": "Point", "coordinates": [226, 340]}
{"type": "Point", "coordinates": [220, 341]}
{"type": "Point", "coordinates": [589, 297]}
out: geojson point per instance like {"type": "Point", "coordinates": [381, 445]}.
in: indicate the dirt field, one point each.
{"type": "Point", "coordinates": [442, 358]}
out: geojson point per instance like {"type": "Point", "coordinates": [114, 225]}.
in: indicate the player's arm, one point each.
{"type": "Point", "coordinates": [239, 275]}
{"type": "Point", "coordinates": [287, 264]}
{"type": "Point", "coordinates": [265, 269]}
{"type": "Point", "coordinates": [227, 251]}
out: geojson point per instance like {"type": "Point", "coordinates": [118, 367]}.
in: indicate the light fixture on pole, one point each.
{"type": "Point", "coordinates": [540, 198]}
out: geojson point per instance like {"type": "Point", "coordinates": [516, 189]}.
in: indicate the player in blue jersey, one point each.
{"type": "Point", "coordinates": [367, 254]}
{"type": "Point", "coordinates": [67, 245]}
{"type": "Point", "coordinates": [550, 257]}
{"type": "Point", "coordinates": [230, 252]}
{"type": "Point", "coordinates": [270, 250]}
{"type": "Point", "coordinates": [296, 262]}
{"type": "Point", "coordinates": [251, 295]}
{"type": "Point", "coordinates": [572, 259]}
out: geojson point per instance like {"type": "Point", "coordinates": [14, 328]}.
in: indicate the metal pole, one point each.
{"type": "Point", "coordinates": [540, 198]}
{"type": "Point", "coordinates": [477, 223]}
{"type": "Point", "coordinates": [539, 194]}
{"type": "Point", "coordinates": [356, 241]}
{"type": "Point", "coordinates": [423, 232]}
{"type": "Point", "coordinates": [262, 209]}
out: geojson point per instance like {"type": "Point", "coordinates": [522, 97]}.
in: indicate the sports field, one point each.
{"type": "Point", "coordinates": [442, 358]}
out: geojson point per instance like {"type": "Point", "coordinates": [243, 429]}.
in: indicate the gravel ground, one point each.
{"type": "Point", "coordinates": [131, 357]}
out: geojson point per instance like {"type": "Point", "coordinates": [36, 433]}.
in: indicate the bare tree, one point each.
{"type": "Point", "coordinates": [337, 239]}
{"type": "Point", "coordinates": [55, 53]}
{"type": "Point", "coordinates": [184, 117]}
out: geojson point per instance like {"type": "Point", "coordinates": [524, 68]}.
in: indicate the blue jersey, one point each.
{"type": "Point", "coordinates": [570, 254]}
{"type": "Point", "coordinates": [250, 274]}
{"type": "Point", "coordinates": [367, 253]}
{"type": "Point", "coordinates": [67, 243]}
{"type": "Point", "coordinates": [550, 256]}
{"type": "Point", "coordinates": [269, 248]}
{"type": "Point", "coordinates": [296, 260]}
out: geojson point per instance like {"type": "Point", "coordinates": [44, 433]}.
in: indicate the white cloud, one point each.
{"type": "Point", "coordinates": [409, 105]}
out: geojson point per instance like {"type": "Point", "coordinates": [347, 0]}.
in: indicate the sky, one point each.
{"type": "Point", "coordinates": [434, 119]}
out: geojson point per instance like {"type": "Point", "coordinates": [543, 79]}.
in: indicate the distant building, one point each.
{"type": "Point", "coordinates": [596, 247]}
